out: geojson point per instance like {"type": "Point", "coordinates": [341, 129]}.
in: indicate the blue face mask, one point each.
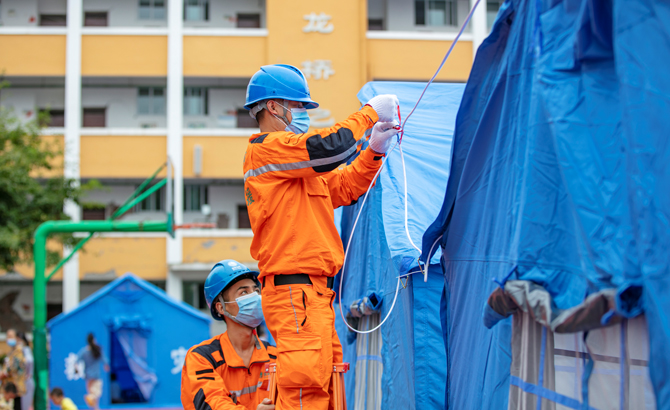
{"type": "Point", "coordinates": [299, 120]}
{"type": "Point", "coordinates": [11, 342]}
{"type": "Point", "coordinates": [251, 311]}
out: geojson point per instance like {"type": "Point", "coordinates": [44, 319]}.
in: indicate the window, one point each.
{"type": "Point", "coordinates": [152, 10]}
{"type": "Point", "coordinates": [95, 19]}
{"type": "Point", "coordinates": [193, 294]}
{"type": "Point", "coordinates": [246, 20]}
{"type": "Point", "coordinates": [243, 221]}
{"type": "Point", "coordinates": [93, 212]}
{"type": "Point", "coordinates": [154, 202]}
{"type": "Point", "coordinates": [53, 310]}
{"type": "Point", "coordinates": [375, 24]}
{"type": "Point", "coordinates": [53, 20]}
{"type": "Point", "coordinates": [195, 196]}
{"type": "Point", "coordinates": [94, 117]}
{"type": "Point", "coordinates": [244, 120]}
{"type": "Point", "coordinates": [196, 10]}
{"type": "Point", "coordinates": [151, 100]}
{"type": "Point", "coordinates": [195, 101]}
{"type": "Point", "coordinates": [56, 118]}
{"type": "Point", "coordinates": [435, 13]}
{"type": "Point", "coordinates": [492, 7]}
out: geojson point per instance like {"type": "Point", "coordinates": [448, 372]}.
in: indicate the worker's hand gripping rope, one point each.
{"type": "Point", "coordinates": [402, 159]}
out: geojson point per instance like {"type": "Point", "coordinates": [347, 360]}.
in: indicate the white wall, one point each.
{"type": "Point", "coordinates": [52, 6]}
{"type": "Point", "coordinates": [19, 13]}
{"type": "Point", "coordinates": [377, 9]}
{"type": "Point", "coordinates": [222, 13]}
{"type": "Point", "coordinates": [25, 101]}
{"type": "Point", "coordinates": [123, 13]}
{"type": "Point", "coordinates": [221, 102]}
{"type": "Point", "coordinates": [121, 104]}
{"type": "Point", "coordinates": [222, 199]}
{"type": "Point", "coordinates": [23, 305]}
{"type": "Point", "coordinates": [116, 194]}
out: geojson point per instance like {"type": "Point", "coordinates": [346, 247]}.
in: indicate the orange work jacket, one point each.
{"type": "Point", "coordinates": [214, 376]}
{"type": "Point", "coordinates": [292, 184]}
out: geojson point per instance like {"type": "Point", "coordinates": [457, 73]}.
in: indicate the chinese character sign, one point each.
{"type": "Point", "coordinates": [318, 23]}
{"type": "Point", "coordinates": [318, 69]}
{"type": "Point", "coordinates": [74, 369]}
{"type": "Point", "coordinates": [178, 356]}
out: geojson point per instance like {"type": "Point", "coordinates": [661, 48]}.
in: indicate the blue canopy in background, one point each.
{"type": "Point", "coordinates": [560, 175]}
{"type": "Point", "coordinates": [134, 323]}
{"type": "Point", "coordinates": [413, 350]}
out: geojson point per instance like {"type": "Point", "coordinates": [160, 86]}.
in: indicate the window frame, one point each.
{"type": "Point", "coordinates": [152, 9]}
{"type": "Point", "coordinates": [89, 109]}
{"type": "Point", "coordinates": [156, 202]}
{"type": "Point", "coordinates": [248, 16]}
{"type": "Point", "coordinates": [53, 16]}
{"type": "Point", "coordinates": [152, 100]}
{"type": "Point", "coordinates": [203, 194]}
{"type": "Point", "coordinates": [188, 92]}
{"type": "Point", "coordinates": [60, 114]}
{"type": "Point", "coordinates": [243, 210]}
{"type": "Point", "coordinates": [91, 15]}
{"type": "Point", "coordinates": [451, 18]}
{"type": "Point", "coordinates": [203, 4]}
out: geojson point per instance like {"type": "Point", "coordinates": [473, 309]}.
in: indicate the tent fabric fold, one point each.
{"type": "Point", "coordinates": [412, 348]}
{"type": "Point", "coordinates": [560, 167]}
{"type": "Point", "coordinates": [596, 311]}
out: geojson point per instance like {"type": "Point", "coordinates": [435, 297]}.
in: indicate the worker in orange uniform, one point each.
{"type": "Point", "coordinates": [228, 371]}
{"type": "Point", "coordinates": [292, 183]}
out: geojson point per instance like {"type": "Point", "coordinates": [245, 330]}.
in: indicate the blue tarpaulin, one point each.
{"type": "Point", "coordinates": [413, 352]}
{"type": "Point", "coordinates": [560, 175]}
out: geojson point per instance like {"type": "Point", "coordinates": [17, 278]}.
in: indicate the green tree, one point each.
{"type": "Point", "coordinates": [29, 194]}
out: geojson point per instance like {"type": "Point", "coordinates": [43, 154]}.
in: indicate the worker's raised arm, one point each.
{"type": "Point", "coordinates": [201, 386]}
{"type": "Point", "coordinates": [347, 184]}
{"type": "Point", "coordinates": [287, 155]}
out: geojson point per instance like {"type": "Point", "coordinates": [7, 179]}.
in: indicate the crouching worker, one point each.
{"type": "Point", "coordinates": [228, 371]}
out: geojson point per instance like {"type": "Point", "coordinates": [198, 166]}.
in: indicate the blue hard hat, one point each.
{"type": "Point", "coordinates": [281, 81]}
{"type": "Point", "coordinates": [222, 275]}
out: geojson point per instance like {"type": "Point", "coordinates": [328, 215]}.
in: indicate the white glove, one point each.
{"type": "Point", "coordinates": [386, 106]}
{"type": "Point", "coordinates": [382, 132]}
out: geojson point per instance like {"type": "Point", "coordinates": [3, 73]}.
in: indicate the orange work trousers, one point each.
{"type": "Point", "coordinates": [302, 321]}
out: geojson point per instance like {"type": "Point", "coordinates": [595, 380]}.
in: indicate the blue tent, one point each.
{"type": "Point", "coordinates": [413, 356]}
{"type": "Point", "coordinates": [144, 335]}
{"type": "Point", "coordinates": [559, 178]}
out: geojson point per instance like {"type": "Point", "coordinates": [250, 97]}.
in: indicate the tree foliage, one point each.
{"type": "Point", "coordinates": [29, 193]}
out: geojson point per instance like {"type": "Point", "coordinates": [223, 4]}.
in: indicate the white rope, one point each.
{"type": "Point", "coordinates": [402, 158]}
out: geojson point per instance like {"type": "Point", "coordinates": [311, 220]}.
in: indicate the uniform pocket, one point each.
{"type": "Point", "coordinates": [299, 361]}
{"type": "Point", "coordinates": [316, 186]}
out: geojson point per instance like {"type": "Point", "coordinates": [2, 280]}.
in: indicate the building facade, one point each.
{"type": "Point", "coordinates": [129, 83]}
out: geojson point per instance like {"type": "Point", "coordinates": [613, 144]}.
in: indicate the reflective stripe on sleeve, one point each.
{"type": "Point", "coordinates": [246, 390]}
{"type": "Point", "coordinates": [291, 166]}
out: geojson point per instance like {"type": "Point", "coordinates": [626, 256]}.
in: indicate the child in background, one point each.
{"type": "Point", "coordinates": [7, 396]}
{"type": "Point", "coordinates": [59, 400]}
